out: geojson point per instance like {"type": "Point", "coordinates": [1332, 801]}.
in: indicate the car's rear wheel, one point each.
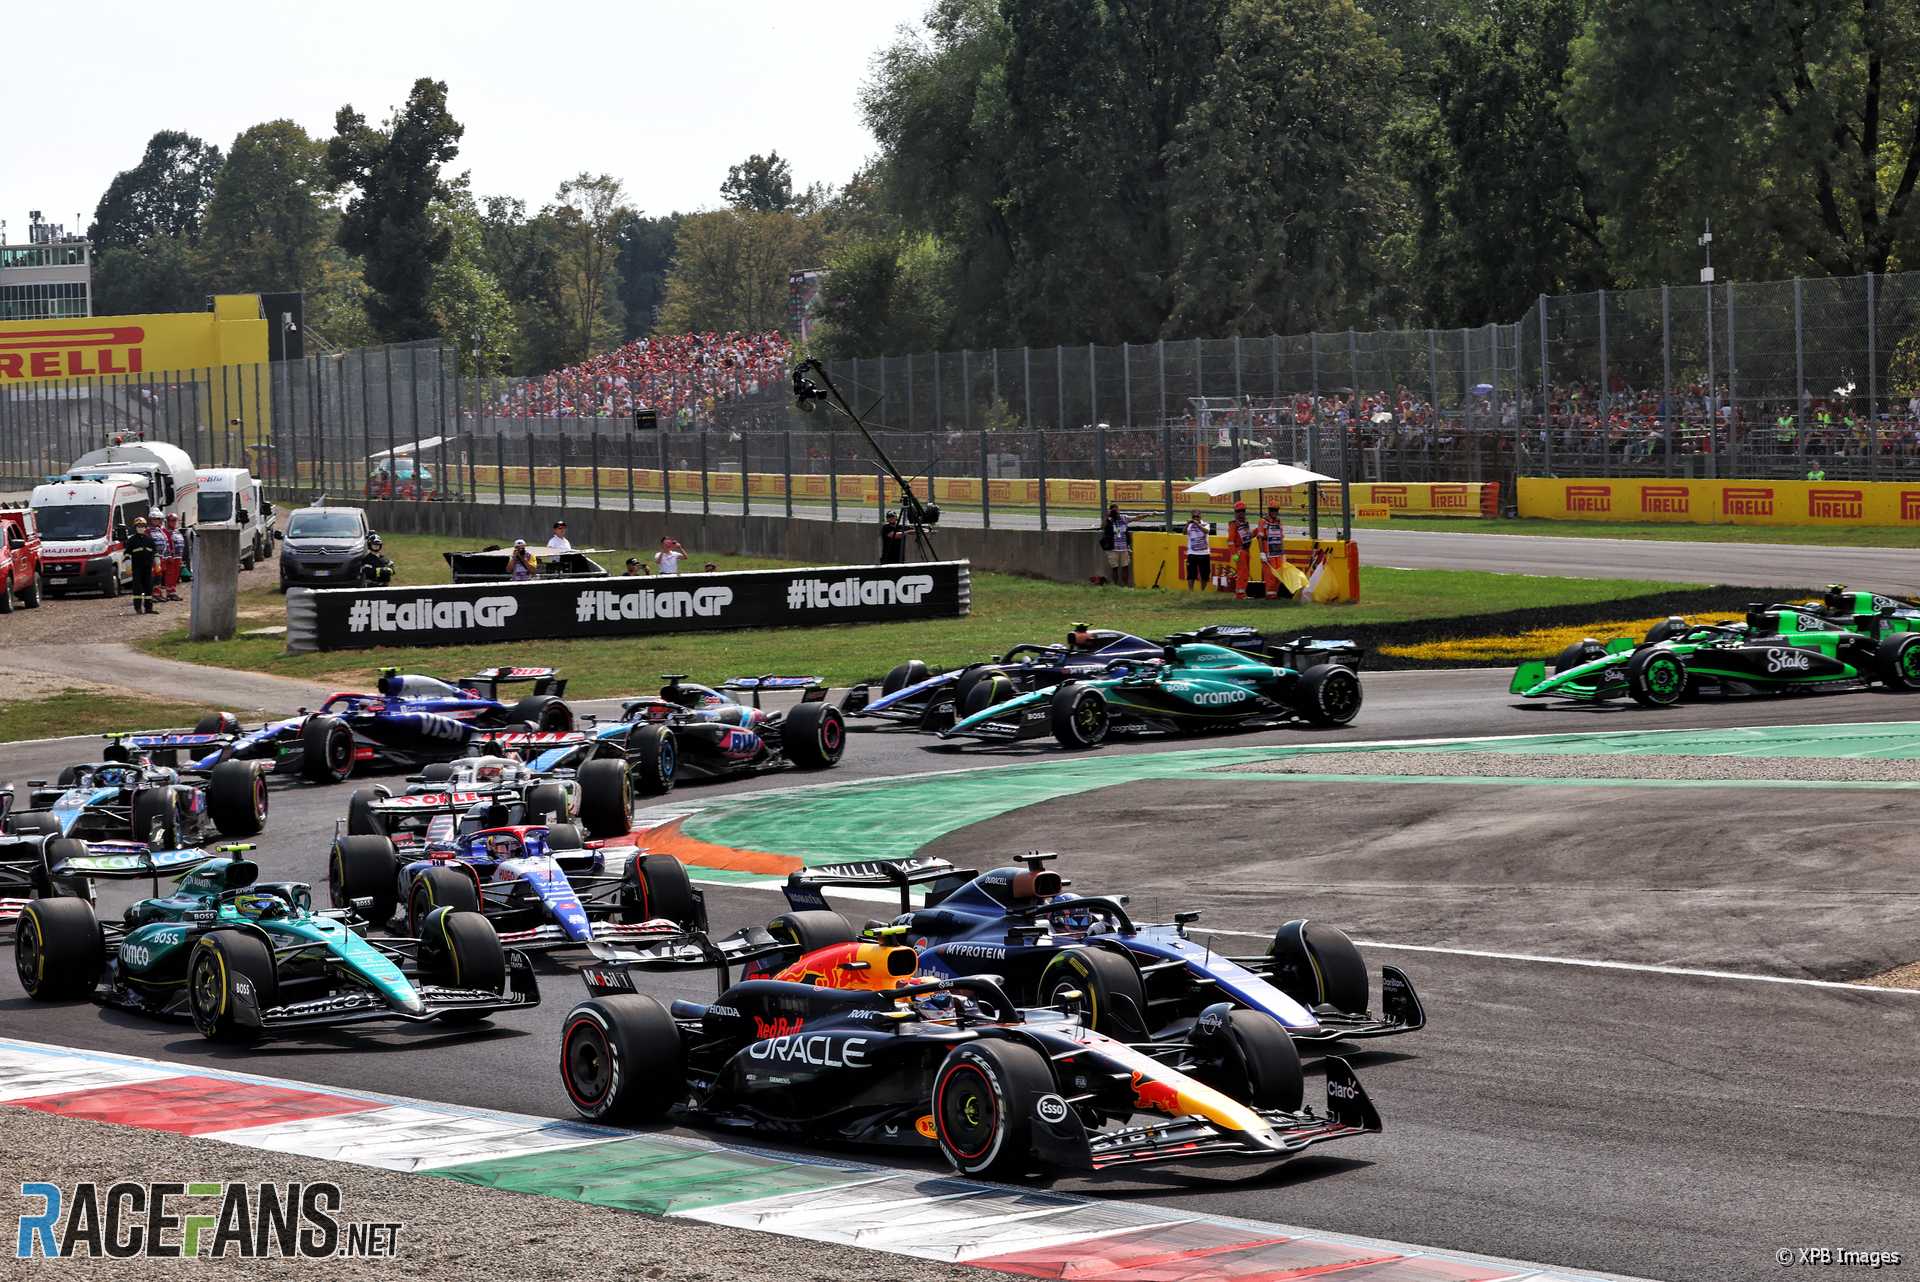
{"type": "Point", "coordinates": [363, 868]}
{"type": "Point", "coordinates": [436, 772]}
{"type": "Point", "coordinates": [606, 798]}
{"type": "Point", "coordinates": [546, 713]}
{"type": "Point", "coordinates": [1080, 716]}
{"type": "Point", "coordinates": [1898, 658]}
{"type": "Point", "coordinates": [217, 723]}
{"type": "Point", "coordinates": [810, 929]}
{"type": "Point", "coordinates": [654, 753]}
{"type": "Point", "coordinates": [237, 798]}
{"type": "Point", "coordinates": [439, 887]}
{"type": "Point", "coordinates": [32, 823]}
{"type": "Point", "coordinates": [964, 683]}
{"type": "Point", "coordinates": [622, 1060]}
{"type": "Point", "coordinates": [547, 804]}
{"type": "Point", "coordinates": [1248, 1055]}
{"type": "Point", "coordinates": [326, 750]}
{"type": "Point", "coordinates": [1656, 678]}
{"type": "Point", "coordinates": [58, 949]}
{"type": "Point", "coordinates": [985, 1098]}
{"type": "Point", "coordinates": [565, 837]}
{"type": "Point", "coordinates": [362, 819]}
{"type": "Point", "coordinates": [1329, 694]}
{"type": "Point", "coordinates": [216, 966]}
{"type": "Point", "coordinates": [1113, 997]}
{"type": "Point", "coordinates": [657, 887]}
{"type": "Point", "coordinates": [1317, 965]}
{"type": "Point", "coordinates": [462, 950]}
{"type": "Point", "coordinates": [156, 818]}
{"type": "Point", "coordinates": [814, 735]}
{"type": "Point", "coordinates": [902, 675]}
{"type": "Point", "coordinates": [995, 687]}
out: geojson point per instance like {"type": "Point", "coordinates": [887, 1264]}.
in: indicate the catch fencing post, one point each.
{"type": "Point", "coordinates": [500, 465]}
{"type": "Point", "coordinates": [833, 463]}
{"type": "Point", "coordinates": [786, 456]}
{"type": "Point", "coordinates": [1041, 469]}
{"type": "Point", "coordinates": [1799, 366]}
{"type": "Point", "coordinates": [1733, 381]}
{"type": "Point", "coordinates": [666, 470]}
{"type": "Point", "coordinates": [1126, 385]}
{"type": "Point", "coordinates": [706, 488]}
{"type": "Point", "coordinates": [986, 503]}
{"type": "Point", "coordinates": [629, 452]}
{"type": "Point", "coordinates": [746, 501]}
{"type": "Point", "coordinates": [1666, 369]}
{"type": "Point", "coordinates": [595, 446]}
{"type": "Point", "coordinates": [1059, 393]}
{"type": "Point", "coordinates": [939, 417]}
{"type": "Point", "coordinates": [1166, 458]}
{"type": "Point", "coordinates": [561, 431]}
{"type": "Point", "coordinates": [1606, 389]}
{"type": "Point", "coordinates": [966, 393]}
{"type": "Point", "coordinates": [1093, 387]}
{"type": "Point", "coordinates": [1546, 388]}
{"type": "Point", "coordinates": [533, 483]}
{"type": "Point", "coordinates": [1873, 382]}
{"type": "Point", "coordinates": [1100, 460]}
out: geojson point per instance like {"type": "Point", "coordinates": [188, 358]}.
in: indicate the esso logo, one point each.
{"type": "Point", "coordinates": [1051, 1109]}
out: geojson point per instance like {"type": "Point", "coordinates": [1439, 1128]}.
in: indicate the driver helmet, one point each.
{"type": "Point", "coordinates": [373, 543]}
{"type": "Point", "coordinates": [259, 905]}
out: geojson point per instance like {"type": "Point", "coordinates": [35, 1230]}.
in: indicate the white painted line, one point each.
{"type": "Point", "coordinates": [399, 1138]}
{"type": "Point", "coordinates": [1650, 968]}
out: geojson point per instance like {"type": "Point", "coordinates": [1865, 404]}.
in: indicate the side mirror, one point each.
{"type": "Point", "coordinates": [120, 533]}
{"type": "Point", "coordinates": [280, 534]}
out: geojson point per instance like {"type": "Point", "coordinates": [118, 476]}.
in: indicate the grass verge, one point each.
{"type": "Point", "coordinates": [72, 712]}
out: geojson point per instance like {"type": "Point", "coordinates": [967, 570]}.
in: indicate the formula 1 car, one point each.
{"type": "Point", "coordinates": [26, 873]}
{"type": "Point", "coordinates": [884, 1058]}
{"type": "Point", "coordinates": [437, 798]}
{"type": "Point", "coordinates": [242, 957]}
{"type": "Point", "coordinates": [1869, 612]}
{"type": "Point", "coordinates": [911, 695]}
{"type": "Point", "coordinates": [1141, 981]}
{"type": "Point", "coordinates": [129, 797]}
{"type": "Point", "coordinates": [1776, 650]}
{"type": "Point", "coordinates": [541, 886]}
{"type": "Point", "coordinates": [1192, 687]}
{"type": "Point", "coordinates": [407, 722]}
{"type": "Point", "coordinates": [685, 732]}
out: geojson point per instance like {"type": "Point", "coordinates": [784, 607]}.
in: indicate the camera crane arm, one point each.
{"type": "Point", "coordinates": [811, 384]}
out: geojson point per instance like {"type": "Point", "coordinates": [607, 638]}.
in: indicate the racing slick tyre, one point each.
{"type": "Point", "coordinates": [53, 852]}
{"type": "Point", "coordinates": [1578, 653]}
{"type": "Point", "coordinates": [994, 687]}
{"type": "Point", "coordinates": [1898, 658]}
{"type": "Point", "coordinates": [1248, 1055]}
{"type": "Point", "coordinates": [1328, 695]}
{"type": "Point", "coordinates": [985, 1097]}
{"type": "Point", "coordinates": [654, 754]}
{"type": "Point", "coordinates": [1656, 678]}
{"type": "Point", "coordinates": [902, 675]}
{"type": "Point", "coordinates": [33, 823]}
{"type": "Point", "coordinates": [547, 804]}
{"type": "Point", "coordinates": [218, 961]}
{"type": "Point", "coordinates": [565, 837]}
{"type": "Point", "coordinates": [58, 949]}
{"type": "Point", "coordinates": [437, 772]}
{"type": "Point", "coordinates": [362, 819]}
{"type": "Point", "coordinates": [156, 818]}
{"type": "Point", "coordinates": [116, 752]}
{"type": "Point", "coordinates": [964, 683]}
{"type": "Point", "coordinates": [622, 1060]}
{"type": "Point", "coordinates": [69, 775]}
{"type": "Point", "coordinates": [327, 750]}
{"type": "Point", "coordinates": [237, 798]}
{"type": "Point", "coordinates": [1317, 965]}
{"type": "Point", "coordinates": [657, 886]}
{"type": "Point", "coordinates": [546, 713]}
{"type": "Point", "coordinates": [217, 723]}
{"type": "Point", "coordinates": [1113, 997]}
{"type": "Point", "coordinates": [811, 928]}
{"type": "Point", "coordinates": [363, 868]}
{"type": "Point", "coordinates": [606, 798]}
{"type": "Point", "coordinates": [1080, 717]}
{"type": "Point", "coordinates": [460, 950]}
{"type": "Point", "coordinates": [813, 736]}
{"type": "Point", "coordinates": [1665, 630]}
{"type": "Point", "coordinates": [439, 887]}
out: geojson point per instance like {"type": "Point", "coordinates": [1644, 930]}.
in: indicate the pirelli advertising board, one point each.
{"type": "Point", "coordinates": [129, 347]}
{"type": "Point", "coordinates": [1889, 503]}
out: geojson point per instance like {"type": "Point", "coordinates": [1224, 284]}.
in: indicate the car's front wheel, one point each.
{"type": "Point", "coordinates": [1080, 717]}
{"type": "Point", "coordinates": [214, 970]}
{"type": "Point", "coordinates": [1656, 678]}
{"type": "Point", "coordinates": [986, 1096]}
{"type": "Point", "coordinates": [58, 949]}
{"type": "Point", "coordinates": [622, 1060]}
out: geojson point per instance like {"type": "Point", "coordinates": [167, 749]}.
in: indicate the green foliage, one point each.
{"type": "Point", "coordinates": [166, 194]}
{"type": "Point", "coordinates": [395, 173]}
{"type": "Point", "coordinates": [160, 274]}
{"type": "Point", "coordinates": [759, 184]}
{"type": "Point", "coordinates": [730, 270]}
{"type": "Point", "coordinates": [646, 253]}
{"type": "Point", "coordinates": [269, 221]}
{"type": "Point", "coordinates": [886, 295]}
{"type": "Point", "coordinates": [469, 307]}
{"type": "Point", "coordinates": [588, 214]}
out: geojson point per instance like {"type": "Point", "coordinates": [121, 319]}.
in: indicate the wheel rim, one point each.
{"type": "Point", "coordinates": [968, 1112]}
{"type": "Point", "coordinates": [669, 758]}
{"type": "Point", "coordinates": [26, 953]}
{"type": "Point", "coordinates": [1664, 677]}
{"type": "Point", "coordinates": [1340, 696]}
{"type": "Point", "coordinates": [208, 990]}
{"type": "Point", "coordinates": [1089, 717]}
{"type": "Point", "coordinates": [1910, 662]}
{"type": "Point", "coordinates": [340, 754]}
{"type": "Point", "coordinates": [830, 736]}
{"type": "Point", "coordinates": [589, 1063]}
{"type": "Point", "coordinates": [260, 798]}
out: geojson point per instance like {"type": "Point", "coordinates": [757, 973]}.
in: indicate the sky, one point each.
{"type": "Point", "coordinates": [663, 96]}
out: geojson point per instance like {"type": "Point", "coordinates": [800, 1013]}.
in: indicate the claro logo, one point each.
{"type": "Point", "coordinates": [72, 353]}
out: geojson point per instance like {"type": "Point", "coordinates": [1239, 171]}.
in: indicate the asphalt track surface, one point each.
{"type": "Point", "coordinates": [1660, 1124]}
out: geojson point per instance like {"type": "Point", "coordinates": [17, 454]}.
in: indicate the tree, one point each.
{"type": "Point", "coordinates": [1279, 195]}
{"type": "Point", "coordinates": [646, 254]}
{"type": "Point", "coordinates": [523, 255]}
{"type": "Point", "coordinates": [395, 171]}
{"type": "Point", "coordinates": [269, 221]}
{"type": "Point", "coordinates": [1794, 126]}
{"type": "Point", "coordinates": [759, 184]}
{"type": "Point", "coordinates": [886, 295]}
{"type": "Point", "coordinates": [730, 271]}
{"type": "Point", "coordinates": [589, 212]}
{"type": "Point", "coordinates": [467, 304]}
{"type": "Point", "coordinates": [161, 274]}
{"type": "Point", "coordinates": [166, 194]}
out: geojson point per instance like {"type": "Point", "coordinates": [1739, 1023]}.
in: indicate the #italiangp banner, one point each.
{"type": "Point", "coordinates": [1883, 503]}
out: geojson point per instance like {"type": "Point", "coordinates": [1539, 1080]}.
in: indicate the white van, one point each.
{"type": "Point", "coordinates": [167, 470]}
{"type": "Point", "coordinates": [230, 496]}
{"type": "Point", "coordinates": [84, 523]}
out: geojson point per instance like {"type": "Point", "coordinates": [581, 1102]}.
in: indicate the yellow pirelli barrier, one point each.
{"type": "Point", "coordinates": [1882, 503]}
{"type": "Point", "coordinates": [1159, 561]}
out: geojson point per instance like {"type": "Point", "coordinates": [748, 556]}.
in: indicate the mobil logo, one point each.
{"type": "Point", "coordinates": [1836, 504]}
{"type": "Point", "coordinates": [1746, 500]}
{"type": "Point", "coordinates": [1589, 498]}
{"type": "Point", "coordinates": [1665, 500]}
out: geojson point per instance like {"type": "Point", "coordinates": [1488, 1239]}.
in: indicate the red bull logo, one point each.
{"type": "Point", "coordinates": [779, 1027]}
{"type": "Point", "coordinates": [1747, 500]}
{"type": "Point", "coordinates": [1844, 505]}
{"type": "Point", "coordinates": [1670, 500]}
{"type": "Point", "coordinates": [72, 353]}
{"type": "Point", "coordinates": [1589, 498]}
{"type": "Point", "coordinates": [1150, 1096]}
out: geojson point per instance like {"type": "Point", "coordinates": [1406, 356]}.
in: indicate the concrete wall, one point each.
{"type": "Point", "coordinates": [1064, 556]}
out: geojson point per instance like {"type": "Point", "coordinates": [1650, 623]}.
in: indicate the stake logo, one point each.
{"type": "Point", "coordinates": [839, 594]}
{"type": "Point", "coordinates": [600, 605]}
{"type": "Point", "coordinates": [1788, 661]}
{"type": "Point", "coordinates": [213, 1220]}
{"type": "Point", "coordinates": [1836, 504]}
{"type": "Point", "coordinates": [1746, 500]}
{"type": "Point", "coordinates": [1674, 500]}
{"type": "Point", "coordinates": [424, 614]}
{"type": "Point", "coordinates": [72, 353]}
{"type": "Point", "coordinates": [1589, 498]}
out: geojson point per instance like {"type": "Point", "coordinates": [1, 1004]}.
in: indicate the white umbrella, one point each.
{"type": "Point", "coordinates": [1256, 474]}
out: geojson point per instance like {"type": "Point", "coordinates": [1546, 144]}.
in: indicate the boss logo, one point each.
{"type": "Point", "coordinates": [1051, 1109]}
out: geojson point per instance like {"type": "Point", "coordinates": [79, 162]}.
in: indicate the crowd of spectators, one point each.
{"type": "Point", "coordinates": [682, 377]}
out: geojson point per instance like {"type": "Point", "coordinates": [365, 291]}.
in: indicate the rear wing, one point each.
{"type": "Point", "coordinates": [613, 967]}
{"type": "Point", "coordinates": [803, 888]}
{"type": "Point", "coordinates": [543, 740]}
{"type": "Point", "coordinates": [165, 746]}
{"type": "Point", "coordinates": [812, 689]}
{"type": "Point", "coordinates": [543, 680]}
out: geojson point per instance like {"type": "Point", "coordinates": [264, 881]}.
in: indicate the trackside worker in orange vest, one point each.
{"type": "Point", "coordinates": [1271, 534]}
{"type": "Point", "coordinates": [1239, 543]}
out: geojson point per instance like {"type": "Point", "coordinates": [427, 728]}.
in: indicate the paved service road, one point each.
{"type": "Point", "coordinates": [1660, 1124]}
